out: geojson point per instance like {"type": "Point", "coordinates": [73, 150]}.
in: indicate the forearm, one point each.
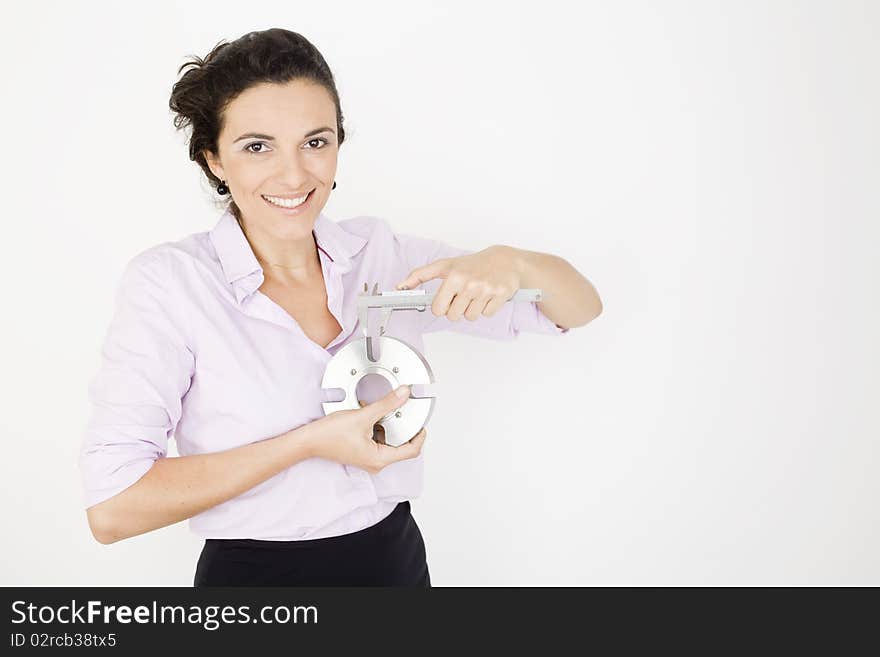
{"type": "Point", "coordinates": [571, 300]}
{"type": "Point", "coordinates": [177, 488]}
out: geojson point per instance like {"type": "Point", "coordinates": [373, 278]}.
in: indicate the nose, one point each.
{"type": "Point", "coordinates": [292, 171]}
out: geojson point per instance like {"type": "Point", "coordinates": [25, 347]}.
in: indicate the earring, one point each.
{"type": "Point", "coordinates": [334, 185]}
{"type": "Point", "coordinates": [222, 188]}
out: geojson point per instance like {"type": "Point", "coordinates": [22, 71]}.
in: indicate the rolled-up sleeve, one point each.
{"type": "Point", "coordinates": [507, 323]}
{"type": "Point", "coordinates": [145, 370]}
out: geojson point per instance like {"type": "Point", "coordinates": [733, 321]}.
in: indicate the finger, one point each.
{"type": "Point", "coordinates": [384, 405]}
{"type": "Point", "coordinates": [459, 305]}
{"type": "Point", "coordinates": [413, 446]}
{"type": "Point", "coordinates": [444, 297]}
{"type": "Point", "coordinates": [494, 306]}
{"type": "Point", "coordinates": [407, 450]}
{"type": "Point", "coordinates": [416, 277]}
{"type": "Point", "coordinates": [476, 307]}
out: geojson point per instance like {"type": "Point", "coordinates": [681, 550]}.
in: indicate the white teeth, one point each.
{"type": "Point", "coordinates": [286, 203]}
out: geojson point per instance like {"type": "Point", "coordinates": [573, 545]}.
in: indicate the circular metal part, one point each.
{"type": "Point", "coordinates": [399, 364]}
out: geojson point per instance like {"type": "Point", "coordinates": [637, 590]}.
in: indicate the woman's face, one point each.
{"type": "Point", "coordinates": [278, 140]}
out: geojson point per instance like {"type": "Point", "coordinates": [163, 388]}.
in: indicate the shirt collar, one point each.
{"type": "Point", "coordinates": [243, 270]}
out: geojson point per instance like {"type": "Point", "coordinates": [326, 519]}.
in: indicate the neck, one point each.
{"type": "Point", "coordinates": [293, 261]}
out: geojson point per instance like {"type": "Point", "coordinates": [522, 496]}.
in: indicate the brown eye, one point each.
{"type": "Point", "coordinates": [256, 143]}
{"type": "Point", "coordinates": [318, 139]}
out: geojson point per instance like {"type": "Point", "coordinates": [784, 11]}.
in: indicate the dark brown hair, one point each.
{"type": "Point", "coordinates": [200, 96]}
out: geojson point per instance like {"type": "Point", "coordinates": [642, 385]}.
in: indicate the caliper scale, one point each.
{"type": "Point", "coordinates": [392, 359]}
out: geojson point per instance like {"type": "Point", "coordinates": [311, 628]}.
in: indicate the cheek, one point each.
{"type": "Point", "coordinates": [248, 177]}
{"type": "Point", "coordinates": [324, 167]}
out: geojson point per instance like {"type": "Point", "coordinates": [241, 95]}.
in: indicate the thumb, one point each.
{"type": "Point", "coordinates": [384, 405]}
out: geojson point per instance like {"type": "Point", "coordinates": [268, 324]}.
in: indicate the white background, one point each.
{"type": "Point", "coordinates": [711, 167]}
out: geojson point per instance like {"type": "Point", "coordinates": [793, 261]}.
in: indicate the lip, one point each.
{"type": "Point", "coordinates": [299, 208]}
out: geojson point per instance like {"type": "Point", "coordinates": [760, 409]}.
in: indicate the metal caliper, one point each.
{"type": "Point", "coordinates": [392, 359]}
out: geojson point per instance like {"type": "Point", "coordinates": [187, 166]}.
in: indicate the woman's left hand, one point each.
{"type": "Point", "coordinates": [475, 284]}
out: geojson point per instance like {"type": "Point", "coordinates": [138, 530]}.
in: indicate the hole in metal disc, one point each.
{"type": "Point", "coordinates": [372, 387]}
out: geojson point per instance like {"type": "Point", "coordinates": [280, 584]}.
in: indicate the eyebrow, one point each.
{"type": "Point", "coordinates": [257, 135]}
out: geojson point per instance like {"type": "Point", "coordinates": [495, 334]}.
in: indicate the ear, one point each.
{"type": "Point", "coordinates": [214, 165]}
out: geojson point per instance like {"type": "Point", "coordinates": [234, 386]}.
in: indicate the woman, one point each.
{"type": "Point", "coordinates": [221, 339]}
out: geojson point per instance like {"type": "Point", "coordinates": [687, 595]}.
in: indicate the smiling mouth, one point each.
{"type": "Point", "coordinates": [282, 205]}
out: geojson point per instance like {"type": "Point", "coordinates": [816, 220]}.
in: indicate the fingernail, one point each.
{"type": "Point", "coordinates": [402, 391]}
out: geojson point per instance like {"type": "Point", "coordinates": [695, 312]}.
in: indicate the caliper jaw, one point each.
{"type": "Point", "coordinates": [386, 303]}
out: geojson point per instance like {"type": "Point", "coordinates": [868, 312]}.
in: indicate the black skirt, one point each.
{"type": "Point", "coordinates": [389, 553]}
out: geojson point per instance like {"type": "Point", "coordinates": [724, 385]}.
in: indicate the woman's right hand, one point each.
{"type": "Point", "coordinates": [347, 436]}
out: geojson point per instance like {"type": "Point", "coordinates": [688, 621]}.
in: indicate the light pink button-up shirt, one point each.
{"type": "Point", "coordinates": [196, 351]}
